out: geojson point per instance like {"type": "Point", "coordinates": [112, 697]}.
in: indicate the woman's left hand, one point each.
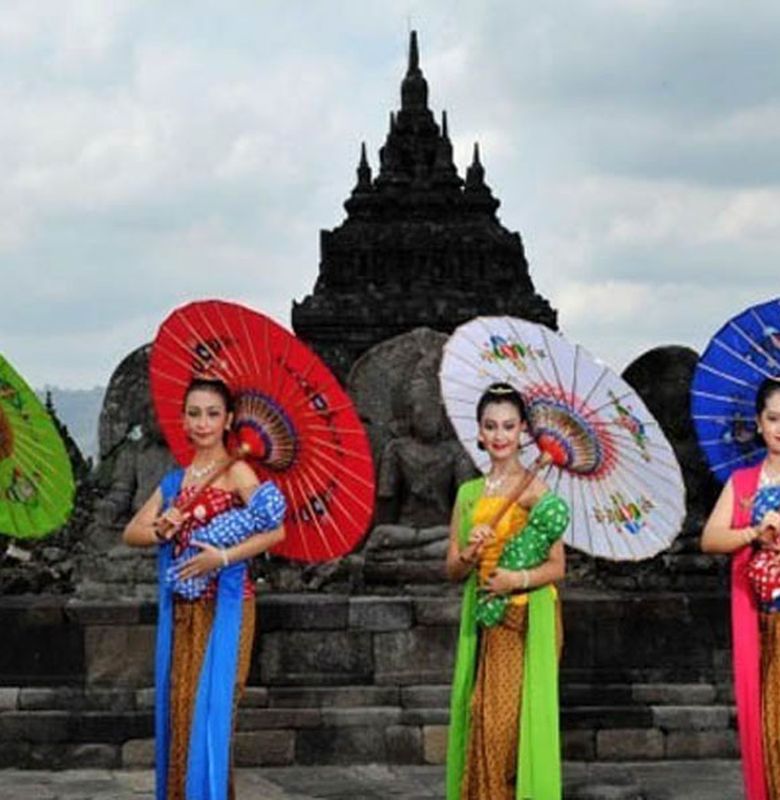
{"type": "Point", "coordinates": [502, 581]}
{"type": "Point", "coordinates": [208, 560]}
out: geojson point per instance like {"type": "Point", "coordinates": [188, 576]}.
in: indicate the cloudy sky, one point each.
{"type": "Point", "coordinates": [156, 152]}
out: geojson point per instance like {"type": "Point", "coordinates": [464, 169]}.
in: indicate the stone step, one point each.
{"type": "Point", "coordinates": [96, 698]}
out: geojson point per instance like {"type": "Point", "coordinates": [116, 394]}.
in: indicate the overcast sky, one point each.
{"type": "Point", "coordinates": [153, 153]}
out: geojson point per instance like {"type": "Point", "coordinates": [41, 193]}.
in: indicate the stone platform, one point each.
{"type": "Point", "coordinates": [671, 780]}
{"type": "Point", "coordinates": [351, 680]}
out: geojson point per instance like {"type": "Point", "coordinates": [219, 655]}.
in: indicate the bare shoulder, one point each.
{"type": "Point", "coordinates": [538, 489]}
{"type": "Point", "coordinates": [241, 475]}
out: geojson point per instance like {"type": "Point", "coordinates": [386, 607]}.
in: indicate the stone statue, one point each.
{"type": "Point", "coordinates": [133, 453]}
{"type": "Point", "coordinates": [133, 458]}
{"type": "Point", "coordinates": [420, 463]}
{"type": "Point", "coordinates": [419, 472]}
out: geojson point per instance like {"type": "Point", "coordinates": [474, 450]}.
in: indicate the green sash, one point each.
{"type": "Point", "coordinates": [539, 759]}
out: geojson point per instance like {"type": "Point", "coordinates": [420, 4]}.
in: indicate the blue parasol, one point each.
{"type": "Point", "coordinates": [723, 392]}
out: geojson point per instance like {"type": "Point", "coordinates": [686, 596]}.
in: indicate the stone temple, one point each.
{"type": "Point", "coordinates": [353, 661]}
{"type": "Point", "coordinates": [420, 247]}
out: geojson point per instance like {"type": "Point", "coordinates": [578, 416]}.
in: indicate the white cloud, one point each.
{"type": "Point", "coordinates": [151, 156]}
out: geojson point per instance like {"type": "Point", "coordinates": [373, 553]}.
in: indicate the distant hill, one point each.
{"type": "Point", "coordinates": [79, 409]}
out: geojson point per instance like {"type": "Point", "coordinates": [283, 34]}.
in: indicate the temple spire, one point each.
{"type": "Point", "coordinates": [477, 193]}
{"type": "Point", "coordinates": [414, 89]}
{"type": "Point", "coordinates": [363, 172]}
{"type": "Point", "coordinates": [414, 55]}
{"type": "Point", "coordinates": [475, 174]}
{"type": "Point", "coordinates": [444, 170]}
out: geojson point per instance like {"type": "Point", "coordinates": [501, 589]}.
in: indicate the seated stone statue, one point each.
{"type": "Point", "coordinates": [419, 472]}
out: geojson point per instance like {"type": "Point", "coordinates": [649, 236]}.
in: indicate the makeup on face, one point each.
{"type": "Point", "coordinates": [769, 422]}
{"type": "Point", "coordinates": [500, 429]}
{"type": "Point", "coordinates": [205, 416]}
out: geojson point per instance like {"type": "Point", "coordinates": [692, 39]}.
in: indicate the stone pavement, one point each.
{"type": "Point", "coordinates": [669, 780]}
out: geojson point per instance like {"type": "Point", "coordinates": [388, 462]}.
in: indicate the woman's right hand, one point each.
{"type": "Point", "coordinates": [166, 525]}
{"type": "Point", "coordinates": [768, 530]}
{"type": "Point", "coordinates": [478, 537]}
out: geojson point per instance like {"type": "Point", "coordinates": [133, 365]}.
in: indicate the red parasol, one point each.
{"type": "Point", "coordinates": [300, 426]}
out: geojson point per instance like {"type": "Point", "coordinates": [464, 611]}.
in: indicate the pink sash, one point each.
{"type": "Point", "coordinates": [746, 645]}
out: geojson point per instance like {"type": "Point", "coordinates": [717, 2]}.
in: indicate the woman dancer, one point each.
{"type": "Point", "coordinates": [755, 630]}
{"type": "Point", "coordinates": [504, 736]}
{"type": "Point", "coordinates": [204, 646]}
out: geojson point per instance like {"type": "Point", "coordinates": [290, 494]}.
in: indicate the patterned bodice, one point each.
{"type": "Point", "coordinates": [212, 501]}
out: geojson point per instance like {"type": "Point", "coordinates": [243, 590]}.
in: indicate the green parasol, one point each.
{"type": "Point", "coordinates": [36, 479]}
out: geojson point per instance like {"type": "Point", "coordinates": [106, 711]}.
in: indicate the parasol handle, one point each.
{"type": "Point", "coordinates": [542, 461]}
{"type": "Point", "coordinates": [241, 452]}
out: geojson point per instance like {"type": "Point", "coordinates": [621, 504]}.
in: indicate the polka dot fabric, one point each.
{"type": "Point", "coordinates": [527, 549]}
{"type": "Point", "coordinates": [226, 526]}
{"type": "Point", "coordinates": [763, 569]}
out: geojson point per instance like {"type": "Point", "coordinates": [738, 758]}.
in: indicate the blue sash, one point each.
{"type": "Point", "coordinates": [208, 763]}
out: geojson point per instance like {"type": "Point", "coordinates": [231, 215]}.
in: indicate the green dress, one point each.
{"type": "Point", "coordinates": [539, 766]}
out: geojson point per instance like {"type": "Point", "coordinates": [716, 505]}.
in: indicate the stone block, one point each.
{"type": "Point", "coordinates": [67, 698]}
{"type": "Point", "coordinates": [341, 696]}
{"type": "Point", "coordinates": [579, 745]}
{"type": "Point", "coordinates": [702, 744]}
{"type": "Point", "coordinates": [302, 612]}
{"type": "Point", "coordinates": [138, 753]}
{"type": "Point", "coordinates": [252, 719]}
{"type": "Point", "coordinates": [93, 756]}
{"type": "Point", "coordinates": [39, 647]}
{"type": "Point", "coordinates": [431, 611]}
{"type": "Point", "coordinates": [596, 717]}
{"type": "Point", "coordinates": [419, 655]}
{"type": "Point", "coordinates": [681, 694]}
{"type": "Point", "coordinates": [144, 698]}
{"type": "Point", "coordinates": [595, 694]}
{"type": "Point", "coordinates": [380, 613]}
{"type": "Point", "coordinates": [97, 612]}
{"type": "Point", "coordinates": [404, 744]}
{"type": "Point", "coordinates": [436, 696]}
{"type": "Point", "coordinates": [255, 697]}
{"type": "Point", "coordinates": [646, 744]}
{"type": "Point", "coordinates": [120, 655]}
{"type": "Point", "coordinates": [692, 718]}
{"type": "Point", "coordinates": [314, 657]}
{"type": "Point", "coordinates": [51, 698]}
{"type": "Point", "coordinates": [360, 717]}
{"type": "Point", "coordinates": [342, 745]}
{"type": "Point", "coordinates": [39, 727]}
{"type": "Point", "coordinates": [399, 573]}
{"type": "Point", "coordinates": [107, 727]}
{"type": "Point", "coordinates": [9, 698]}
{"type": "Point", "coordinates": [264, 748]}
{"type": "Point", "coordinates": [425, 716]}
{"type": "Point", "coordinates": [14, 753]}
{"type": "Point", "coordinates": [435, 744]}
{"type": "Point", "coordinates": [47, 756]}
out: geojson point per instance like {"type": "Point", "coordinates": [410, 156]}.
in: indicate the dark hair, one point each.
{"type": "Point", "coordinates": [767, 388]}
{"type": "Point", "coordinates": [214, 385]}
{"type": "Point", "coordinates": [501, 393]}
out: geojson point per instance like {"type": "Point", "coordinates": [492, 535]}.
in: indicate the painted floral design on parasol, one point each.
{"type": "Point", "coordinates": [36, 478]}
{"type": "Point", "coordinates": [297, 423]}
{"type": "Point", "coordinates": [610, 459]}
{"type": "Point", "coordinates": [744, 352]}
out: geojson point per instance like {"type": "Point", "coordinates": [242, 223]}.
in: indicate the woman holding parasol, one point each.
{"type": "Point", "coordinates": [207, 417]}
{"type": "Point", "coordinates": [228, 367]}
{"type": "Point", "coordinates": [489, 761]}
{"type": "Point", "coordinates": [588, 438]}
{"type": "Point", "coordinates": [735, 405]}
